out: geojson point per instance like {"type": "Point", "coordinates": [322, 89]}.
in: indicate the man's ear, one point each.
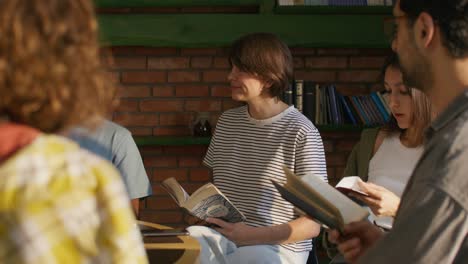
{"type": "Point", "coordinates": [424, 30]}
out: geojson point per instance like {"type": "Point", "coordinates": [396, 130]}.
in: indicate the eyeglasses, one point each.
{"type": "Point", "coordinates": [391, 27]}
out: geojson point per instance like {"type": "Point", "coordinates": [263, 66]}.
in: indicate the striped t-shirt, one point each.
{"type": "Point", "coordinates": [245, 154]}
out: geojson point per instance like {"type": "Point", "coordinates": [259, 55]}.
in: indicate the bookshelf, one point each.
{"type": "Point", "coordinates": [336, 27]}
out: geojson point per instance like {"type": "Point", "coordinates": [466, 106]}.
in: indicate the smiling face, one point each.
{"type": "Point", "coordinates": [245, 87]}
{"type": "Point", "coordinates": [400, 102]}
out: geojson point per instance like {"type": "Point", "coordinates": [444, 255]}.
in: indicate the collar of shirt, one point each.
{"type": "Point", "coordinates": [456, 107]}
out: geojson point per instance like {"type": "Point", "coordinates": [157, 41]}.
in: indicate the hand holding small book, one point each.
{"type": "Point", "coordinates": [380, 200]}
{"type": "Point", "coordinates": [356, 239]}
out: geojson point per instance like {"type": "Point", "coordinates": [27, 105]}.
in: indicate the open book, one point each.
{"type": "Point", "coordinates": [350, 184]}
{"type": "Point", "coordinates": [205, 202]}
{"type": "Point", "coordinates": [320, 201]}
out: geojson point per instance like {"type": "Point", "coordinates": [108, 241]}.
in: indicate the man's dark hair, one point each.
{"type": "Point", "coordinates": [450, 15]}
{"type": "Point", "coordinates": [265, 55]}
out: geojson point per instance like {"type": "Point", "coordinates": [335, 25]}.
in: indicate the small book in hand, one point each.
{"type": "Point", "coordinates": [320, 201]}
{"type": "Point", "coordinates": [350, 184]}
{"type": "Point", "coordinates": [207, 201]}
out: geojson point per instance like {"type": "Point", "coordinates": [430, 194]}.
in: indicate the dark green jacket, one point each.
{"type": "Point", "coordinates": [358, 160]}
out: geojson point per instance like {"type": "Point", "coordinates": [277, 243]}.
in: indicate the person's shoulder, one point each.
{"type": "Point", "coordinates": [299, 121]}
{"type": "Point", "coordinates": [233, 113]}
{"type": "Point", "coordinates": [110, 127]}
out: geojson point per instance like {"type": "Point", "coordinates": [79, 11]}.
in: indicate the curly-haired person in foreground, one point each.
{"type": "Point", "coordinates": [58, 203]}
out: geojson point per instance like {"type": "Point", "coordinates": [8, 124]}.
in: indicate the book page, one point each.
{"type": "Point", "coordinates": [314, 187]}
{"type": "Point", "coordinates": [208, 201]}
{"type": "Point", "coordinates": [350, 184]}
{"type": "Point", "coordinates": [175, 190]}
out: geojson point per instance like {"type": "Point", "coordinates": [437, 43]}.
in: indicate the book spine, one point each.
{"type": "Point", "coordinates": [360, 111]}
{"type": "Point", "coordinates": [309, 101]}
{"type": "Point", "coordinates": [347, 110]}
{"type": "Point", "coordinates": [379, 105]}
{"type": "Point", "coordinates": [317, 104]}
{"type": "Point", "coordinates": [299, 88]}
{"type": "Point", "coordinates": [333, 105]}
{"type": "Point", "coordinates": [288, 95]}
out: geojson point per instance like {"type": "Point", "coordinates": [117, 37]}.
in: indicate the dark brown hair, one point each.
{"type": "Point", "coordinates": [266, 56]}
{"type": "Point", "coordinates": [450, 15]}
{"type": "Point", "coordinates": [50, 73]}
{"type": "Point", "coordinates": [420, 107]}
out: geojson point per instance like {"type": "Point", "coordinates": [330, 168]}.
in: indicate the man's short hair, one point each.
{"type": "Point", "coordinates": [450, 15]}
{"type": "Point", "coordinates": [266, 56]}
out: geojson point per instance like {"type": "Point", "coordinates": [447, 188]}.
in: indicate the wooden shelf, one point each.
{"type": "Point", "coordinates": [354, 10]}
{"type": "Point", "coordinates": [170, 141]}
{"type": "Point", "coordinates": [143, 141]}
{"type": "Point", "coordinates": [220, 30]}
{"type": "Point", "coordinates": [172, 3]}
{"type": "Point", "coordinates": [341, 128]}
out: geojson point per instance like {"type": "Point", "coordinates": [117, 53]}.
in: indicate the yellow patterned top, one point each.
{"type": "Point", "coordinates": [61, 204]}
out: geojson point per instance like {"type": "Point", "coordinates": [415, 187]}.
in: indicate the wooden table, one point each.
{"type": "Point", "coordinates": [177, 249]}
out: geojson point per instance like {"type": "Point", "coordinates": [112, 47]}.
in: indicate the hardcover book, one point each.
{"type": "Point", "coordinates": [320, 201]}
{"type": "Point", "coordinates": [207, 201]}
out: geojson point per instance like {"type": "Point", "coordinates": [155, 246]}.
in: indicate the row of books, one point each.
{"type": "Point", "coordinates": [324, 105]}
{"type": "Point", "coordinates": [336, 2]}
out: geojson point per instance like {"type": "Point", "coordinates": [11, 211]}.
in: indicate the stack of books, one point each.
{"type": "Point", "coordinates": [324, 105]}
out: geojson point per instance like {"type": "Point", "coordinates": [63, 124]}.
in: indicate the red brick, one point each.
{"type": "Point", "coordinates": [200, 51]}
{"type": "Point", "coordinates": [184, 76]}
{"type": "Point", "coordinates": [334, 51]}
{"type": "Point", "coordinates": [328, 146]}
{"type": "Point", "coordinates": [221, 91]}
{"type": "Point", "coordinates": [151, 150]}
{"type": "Point", "coordinates": [203, 105]}
{"type": "Point", "coordinates": [229, 104]}
{"type": "Point", "coordinates": [168, 63]}
{"type": "Point", "coordinates": [157, 189]}
{"type": "Point", "coordinates": [161, 203]}
{"type": "Point", "coordinates": [339, 172]}
{"type": "Point", "coordinates": [161, 174]}
{"type": "Point", "coordinates": [302, 51]}
{"type": "Point", "coordinates": [144, 77]}
{"type": "Point", "coordinates": [331, 174]}
{"type": "Point", "coordinates": [175, 119]}
{"type": "Point", "coordinates": [141, 131]}
{"type": "Point", "coordinates": [127, 106]}
{"type": "Point", "coordinates": [367, 62]}
{"type": "Point", "coordinates": [134, 91]}
{"type": "Point", "coordinates": [190, 161]}
{"type": "Point", "coordinates": [192, 91]}
{"type": "Point", "coordinates": [162, 217]}
{"type": "Point", "coordinates": [298, 62]}
{"type": "Point", "coordinates": [163, 91]}
{"type": "Point", "coordinates": [316, 76]}
{"type": "Point", "coordinates": [326, 62]}
{"type": "Point", "coordinates": [197, 175]}
{"type": "Point", "coordinates": [221, 63]}
{"type": "Point", "coordinates": [215, 76]}
{"type": "Point", "coordinates": [160, 161]}
{"type": "Point", "coordinates": [135, 119]}
{"type": "Point", "coordinates": [334, 159]}
{"type": "Point", "coordinates": [123, 50]}
{"type": "Point", "coordinates": [161, 105]}
{"type": "Point", "coordinates": [172, 131]}
{"type": "Point", "coordinates": [201, 62]}
{"type": "Point", "coordinates": [375, 51]}
{"type": "Point", "coordinates": [127, 63]}
{"type": "Point", "coordinates": [358, 76]}
{"type": "Point", "coordinates": [377, 87]}
{"type": "Point", "coordinates": [155, 51]}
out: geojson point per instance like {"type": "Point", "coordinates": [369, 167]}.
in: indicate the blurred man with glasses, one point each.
{"type": "Point", "coordinates": [431, 39]}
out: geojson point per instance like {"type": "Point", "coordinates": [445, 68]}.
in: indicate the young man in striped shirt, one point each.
{"type": "Point", "coordinates": [249, 148]}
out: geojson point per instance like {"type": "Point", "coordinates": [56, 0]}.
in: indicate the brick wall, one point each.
{"type": "Point", "coordinates": [162, 89]}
